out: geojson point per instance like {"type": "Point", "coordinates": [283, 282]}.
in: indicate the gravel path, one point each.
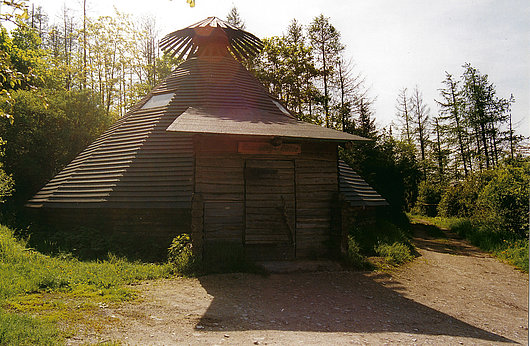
{"type": "Point", "coordinates": [451, 294]}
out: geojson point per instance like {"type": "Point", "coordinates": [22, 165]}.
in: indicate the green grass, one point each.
{"type": "Point", "coordinates": [503, 245]}
{"type": "Point", "coordinates": [381, 245]}
{"type": "Point", "coordinates": [58, 288]}
{"type": "Point", "coordinates": [17, 329]}
{"type": "Point", "coordinates": [395, 254]}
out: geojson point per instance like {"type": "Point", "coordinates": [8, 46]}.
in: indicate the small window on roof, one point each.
{"type": "Point", "coordinates": [160, 100]}
{"type": "Point", "coordinates": [282, 108]}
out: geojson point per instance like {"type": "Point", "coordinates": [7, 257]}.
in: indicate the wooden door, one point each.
{"type": "Point", "coordinates": [270, 209]}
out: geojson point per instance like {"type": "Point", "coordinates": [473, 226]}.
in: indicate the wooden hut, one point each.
{"type": "Point", "coordinates": [210, 152]}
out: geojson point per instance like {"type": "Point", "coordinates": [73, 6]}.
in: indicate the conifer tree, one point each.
{"type": "Point", "coordinates": [325, 41]}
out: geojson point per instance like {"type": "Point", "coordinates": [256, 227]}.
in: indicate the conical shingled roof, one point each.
{"type": "Point", "coordinates": [211, 36]}
{"type": "Point", "coordinates": [137, 163]}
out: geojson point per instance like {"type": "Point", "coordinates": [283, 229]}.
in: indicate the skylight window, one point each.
{"type": "Point", "coordinates": [281, 108]}
{"type": "Point", "coordinates": [160, 100]}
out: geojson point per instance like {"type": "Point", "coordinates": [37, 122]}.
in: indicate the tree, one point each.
{"type": "Point", "coordinates": [353, 96]}
{"type": "Point", "coordinates": [365, 123]}
{"type": "Point", "coordinates": [388, 165]}
{"type": "Point", "coordinates": [451, 109]}
{"type": "Point", "coordinates": [286, 67]}
{"type": "Point", "coordinates": [485, 113]}
{"type": "Point", "coordinates": [420, 113]}
{"type": "Point", "coordinates": [43, 138]}
{"type": "Point", "coordinates": [234, 18]}
{"type": "Point", "coordinates": [404, 113]}
{"type": "Point", "coordinates": [440, 154]}
{"type": "Point", "coordinates": [17, 11]}
{"type": "Point", "coordinates": [325, 41]}
{"type": "Point", "coordinates": [300, 69]}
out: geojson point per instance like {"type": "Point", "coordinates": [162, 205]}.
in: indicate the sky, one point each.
{"type": "Point", "coordinates": [394, 44]}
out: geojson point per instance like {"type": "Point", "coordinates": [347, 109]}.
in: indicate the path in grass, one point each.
{"type": "Point", "coordinates": [453, 293]}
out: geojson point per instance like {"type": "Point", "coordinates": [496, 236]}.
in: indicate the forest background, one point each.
{"type": "Point", "coordinates": [64, 82]}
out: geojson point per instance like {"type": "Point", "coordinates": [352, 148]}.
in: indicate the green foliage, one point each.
{"type": "Point", "coordinates": [480, 233]}
{"type": "Point", "coordinates": [389, 166]}
{"type": "Point", "coordinates": [354, 257]}
{"type": "Point", "coordinates": [395, 253]}
{"type": "Point", "coordinates": [383, 231]}
{"type": "Point", "coordinates": [384, 239]}
{"type": "Point", "coordinates": [429, 195]}
{"type": "Point", "coordinates": [25, 270]}
{"type": "Point", "coordinates": [181, 257]}
{"type": "Point", "coordinates": [6, 185]}
{"type": "Point", "coordinates": [460, 199]}
{"type": "Point", "coordinates": [90, 243]}
{"type": "Point", "coordinates": [452, 202]}
{"type": "Point", "coordinates": [16, 329]}
{"type": "Point", "coordinates": [515, 253]}
{"type": "Point", "coordinates": [48, 130]}
{"type": "Point", "coordinates": [286, 68]}
{"type": "Point", "coordinates": [503, 203]}
{"type": "Point", "coordinates": [496, 199]}
{"type": "Point", "coordinates": [180, 244]}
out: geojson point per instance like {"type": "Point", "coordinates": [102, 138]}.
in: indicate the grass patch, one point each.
{"type": "Point", "coordinates": [395, 254]}
{"type": "Point", "coordinates": [381, 245]}
{"type": "Point", "coordinates": [355, 258]}
{"type": "Point", "coordinates": [504, 245]}
{"type": "Point", "coordinates": [19, 329]}
{"type": "Point", "coordinates": [60, 290]}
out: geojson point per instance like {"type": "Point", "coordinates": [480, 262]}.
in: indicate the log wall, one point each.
{"type": "Point", "coordinates": [220, 183]}
{"type": "Point", "coordinates": [138, 233]}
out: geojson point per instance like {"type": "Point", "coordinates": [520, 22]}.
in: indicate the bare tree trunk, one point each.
{"type": "Point", "coordinates": [511, 137]}
{"type": "Point", "coordinates": [439, 151]}
{"type": "Point", "coordinates": [459, 130]}
{"type": "Point", "coordinates": [84, 45]}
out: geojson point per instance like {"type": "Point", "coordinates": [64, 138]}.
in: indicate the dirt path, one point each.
{"type": "Point", "coordinates": [451, 294]}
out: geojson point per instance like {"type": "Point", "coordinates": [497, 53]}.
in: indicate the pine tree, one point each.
{"type": "Point", "coordinates": [325, 41]}
{"type": "Point", "coordinates": [420, 113]}
{"type": "Point", "coordinates": [403, 108]}
{"type": "Point", "coordinates": [235, 19]}
{"type": "Point", "coordinates": [451, 108]}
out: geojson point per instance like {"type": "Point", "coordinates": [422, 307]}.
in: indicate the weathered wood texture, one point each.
{"type": "Point", "coordinates": [316, 186]}
{"type": "Point", "coordinates": [264, 200]}
{"type": "Point", "coordinates": [270, 207]}
{"type": "Point", "coordinates": [147, 232]}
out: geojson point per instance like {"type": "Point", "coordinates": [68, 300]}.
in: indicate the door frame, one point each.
{"type": "Point", "coordinates": [294, 228]}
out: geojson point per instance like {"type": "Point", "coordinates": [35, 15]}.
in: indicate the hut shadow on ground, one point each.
{"type": "Point", "coordinates": [324, 302]}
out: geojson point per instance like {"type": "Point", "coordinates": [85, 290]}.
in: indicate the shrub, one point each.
{"type": "Point", "coordinates": [180, 244]}
{"type": "Point", "coordinates": [460, 199]}
{"type": "Point", "coordinates": [354, 257]}
{"type": "Point", "coordinates": [516, 253]}
{"type": "Point", "coordinates": [395, 254]}
{"type": "Point", "coordinates": [503, 203]}
{"type": "Point", "coordinates": [181, 257]}
{"type": "Point", "coordinates": [429, 195]}
{"type": "Point", "coordinates": [367, 237]}
{"type": "Point", "coordinates": [452, 202]}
